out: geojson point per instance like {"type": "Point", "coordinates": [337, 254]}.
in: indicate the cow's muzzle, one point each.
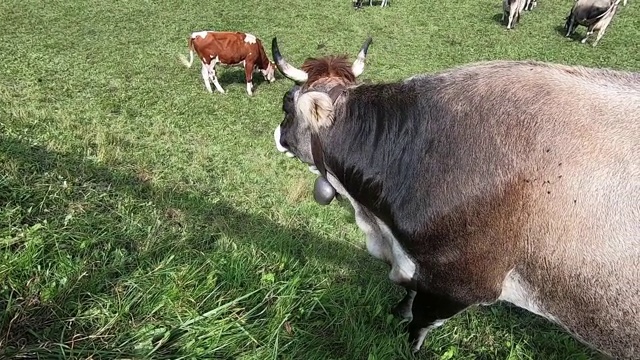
{"type": "Point", "coordinates": [277, 134]}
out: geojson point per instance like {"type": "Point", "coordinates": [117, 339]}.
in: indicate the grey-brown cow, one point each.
{"type": "Point", "coordinates": [593, 14]}
{"type": "Point", "coordinates": [513, 181]}
{"type": "Point", "coordinates": [512, 10]}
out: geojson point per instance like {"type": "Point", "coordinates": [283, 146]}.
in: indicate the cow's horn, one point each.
{"type": "Point", "coordinates": [358, 65]}
{"type": "Point", "coordinates": [285, 68]}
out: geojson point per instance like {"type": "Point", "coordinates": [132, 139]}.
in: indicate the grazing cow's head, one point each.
{"type": "Point", "coordinates": [309, 105]}
{"type": "Point", "coordinates": [270, 72]}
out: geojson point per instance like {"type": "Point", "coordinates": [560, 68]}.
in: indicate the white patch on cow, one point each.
{"type": "Point", "coordinates": [282, 149]}
{"type": "Point", "coordinates": [380, 241]}
{"type": "Point", "coordinates": [422, 334]}
{"type": "Point", "coordinates": [201, 34]}
{"type": "Point", "coordinates": [314, 170]}
{"type": "Point", "coordinates": [249, 87]}
{"type": "Point", "coordinates": [249, 39]}
{"type": "Point", "coordinates": [209, 75]}
{"type": "Point", "coordinates": [518, 292]}
{"type": "Point", "coordinates": [205, 77]}
{"type": "Point", "coordinates": [212, 74]}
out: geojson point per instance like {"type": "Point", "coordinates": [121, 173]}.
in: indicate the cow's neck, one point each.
{"type": "Point", "coordinates": [263, 61]}
{"type": "Point", "coordinates": [371, 138]}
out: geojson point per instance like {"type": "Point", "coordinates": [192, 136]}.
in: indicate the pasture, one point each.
{"type": "Point", "coordinates": [142, 217]}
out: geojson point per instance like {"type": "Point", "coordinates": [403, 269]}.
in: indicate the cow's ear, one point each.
{"type": "Point", "coordinates": [316, 109]}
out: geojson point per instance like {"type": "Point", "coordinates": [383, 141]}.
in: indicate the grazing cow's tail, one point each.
{"type": "Point", "coordinates": [183, 58]}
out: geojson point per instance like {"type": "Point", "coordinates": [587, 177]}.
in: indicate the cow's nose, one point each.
{"type": "Point", "coordinates": [277, 134]}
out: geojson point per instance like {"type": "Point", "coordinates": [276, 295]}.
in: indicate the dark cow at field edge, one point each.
{"type": "Point", "coordinates": [503, 180]}
{"type": "Point", "coordinates": [231, 49]}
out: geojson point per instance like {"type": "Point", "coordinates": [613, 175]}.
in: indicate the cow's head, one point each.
{"type": "Point", "coordinates": [309, 105]}
{"type": "Point", "coordinates": [270, 72]}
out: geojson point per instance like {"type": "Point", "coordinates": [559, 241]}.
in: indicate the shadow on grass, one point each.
{"type": "Point", "coordinates": [560, 29]}
{"type": "Point", "coordinates": [228, 75]}
{"type": "Point", "coordinates": [497, 18]}
{"type": "Point", "coordinates": [34, 324]}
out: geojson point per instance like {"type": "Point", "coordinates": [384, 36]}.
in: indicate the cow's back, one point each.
{"type": "Point", "coordinates": [228, 47]}
{"type": "Point", "coordinates": [589, 11]}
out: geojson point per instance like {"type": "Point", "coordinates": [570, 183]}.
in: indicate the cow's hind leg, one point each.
{"type": "Point", "coordinates": [601, 31]}
{"type": "Point", "coordinates": [429, 312]}
{"type": "Point", "coordinates": [214, 78]}
{"type": "Point", "coordinates": [510, 23]}
{"type": "Point", "coordinates": [570, 28]}
{"type": "Point", "coordinates": [205, 77]}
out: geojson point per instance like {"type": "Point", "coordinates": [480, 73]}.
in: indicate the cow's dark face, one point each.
{"type": "Point", "coordinates": [292, 136]}
{"type": "Point", "coordinates": [308, 109]}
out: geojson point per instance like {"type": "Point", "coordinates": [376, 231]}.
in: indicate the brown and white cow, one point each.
{"type": "Point", "coordinates": [506, 180]}
{"type": "Point", "coordinates": [231, 49]}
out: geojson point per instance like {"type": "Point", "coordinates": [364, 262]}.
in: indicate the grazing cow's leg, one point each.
{"type": "Point", "coordinates": [509, 25]}
{"type": "Point", "coordinates": [205, 77]}
{"type": "Point", "coordinates": [600, 34]}
{"type": "Point", "coordinates": [602, 29]}
{"type": "Point", "coordinates": [214, 78]}
{"type": "Point", "coordinates": [248, 75]}
{"type": "Point", "coordinates": [429, 312]}
{"type": "Point", "coordinates": [569, 32]}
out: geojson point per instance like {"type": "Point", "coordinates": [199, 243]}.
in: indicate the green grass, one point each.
{"type": "Point", "coordinates": [141, 217]}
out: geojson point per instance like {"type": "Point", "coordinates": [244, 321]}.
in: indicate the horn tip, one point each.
{"type": "Point", "coordinates": [365, 45]}
{"type": "Point", "coordinates": [275, 51]}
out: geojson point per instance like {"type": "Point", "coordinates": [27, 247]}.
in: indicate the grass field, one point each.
{"type": "Point", "coordinates": [141, 217]}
